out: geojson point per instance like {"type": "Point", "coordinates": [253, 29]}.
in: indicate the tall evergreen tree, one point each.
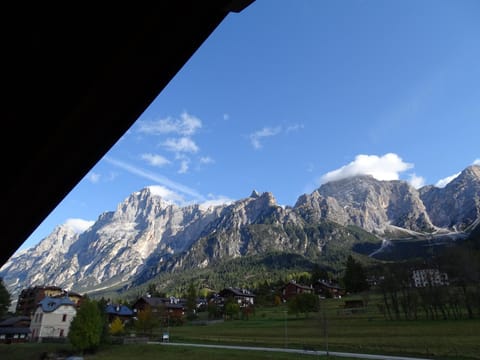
{"type": "Point", "coordinates": [355, 279]}
{"type": "Point", "coordinates": [191, 301]}
{"type": "Point", "coordinates": [5, 299]}
{"type": "Point", "coordinates": [318, 273]}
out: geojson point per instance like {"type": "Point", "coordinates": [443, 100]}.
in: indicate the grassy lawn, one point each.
{"type": "Point", "coordinates": [144, 352]}
{"type": "Point", "coordinates": [366, 332]}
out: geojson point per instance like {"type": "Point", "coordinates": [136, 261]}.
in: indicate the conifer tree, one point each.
{"type": "Point", "coordinates": [5, 299]}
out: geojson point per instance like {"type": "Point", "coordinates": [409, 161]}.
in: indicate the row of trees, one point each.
{"type": "Point", "coordinates": [460, 299]}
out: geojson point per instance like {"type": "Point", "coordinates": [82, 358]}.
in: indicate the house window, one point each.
{"type": "Point", "coordinates": [61, 332]}
{"type": "Point", "coordinates": [64, 318]}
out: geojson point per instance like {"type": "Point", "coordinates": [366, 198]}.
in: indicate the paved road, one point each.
{"type": "Point", "coordinates": [297, 351]}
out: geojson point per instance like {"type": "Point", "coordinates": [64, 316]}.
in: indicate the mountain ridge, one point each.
{"type": "Point", "coordinates": [147, 235]}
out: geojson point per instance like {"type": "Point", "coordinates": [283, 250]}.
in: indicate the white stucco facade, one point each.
{"type": "Point", "coordinates": [52, 318]}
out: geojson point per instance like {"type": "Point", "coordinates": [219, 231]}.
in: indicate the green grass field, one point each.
{"type": "Point", "coordinates": [149, 352]}
{"type": "Point", "coordinates": [366, 332]}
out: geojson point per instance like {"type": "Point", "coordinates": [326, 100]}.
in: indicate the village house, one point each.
{"type": "Point", "coordinates": [166, 308]}
{"type": "Point", "coordinates": [242, 297]}
{"type": "Point", "coordinates": [123, 312]}
{"type": "Point", "coordinates": [52, 318]}
{"type": "Point", "coordinates": [74, 296]}
{"type": "Point", "coordinates": [15, 329]}
{"type": "Point", "coordinates": [30, 297]}
{"type": "Point", "coordinates": [328, 289]}
{"type": "Point", "coordinates": [292, 289]}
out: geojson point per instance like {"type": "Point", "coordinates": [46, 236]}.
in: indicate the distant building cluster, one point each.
{"type": "Point", "coordinates": [45, 312]}
{"type": "Point", "coordinates": [429, 277]}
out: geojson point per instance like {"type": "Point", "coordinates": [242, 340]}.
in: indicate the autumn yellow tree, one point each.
{"type": "Point", "coordinates": [145, 321]}
{"type": "Point", "coordinates": [116, 327]}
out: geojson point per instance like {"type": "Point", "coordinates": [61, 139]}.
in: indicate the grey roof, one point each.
{"type": "Point", "coordinates": [13, 320]}
{"type": "Point", "coordinates": [305, 287]}
{"type": "Point", "coordinates": [330, 285]}
{"type": "Point", "coordinates": [14, 330]}
{"type": "Point", "coordinates": [50, 304]}
{"type": "Point", "coordinates": [120, 310]}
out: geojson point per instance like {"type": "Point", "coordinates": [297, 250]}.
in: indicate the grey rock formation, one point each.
{"type": "Point", "coordinates": [146, 235]}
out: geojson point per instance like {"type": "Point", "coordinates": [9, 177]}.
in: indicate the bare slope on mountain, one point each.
{"type": "Point", "coordinates": [147, 236]}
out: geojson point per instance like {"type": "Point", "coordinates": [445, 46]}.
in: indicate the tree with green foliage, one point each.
{"type": "Point", "coordinates": [355, 278]}
{"type": "Point", "coordinates": [318, 273]}
{"type": "Point", "coordinates": [5, 299]}
{"type": "Point", "coordinates": [232, 308]}
{"type": "Point", "coordinates": [214, 311]}
{"type": "Point", "coordinates": [304, 303]}
{"type": "Point", "coordinates": [87, 326]}
{"type": "Point", "coordinates": [153, 291]}
{"type": "Point", "coordinates": [191, 301]}
{"type": "Point", "coordinates": [102, 305]}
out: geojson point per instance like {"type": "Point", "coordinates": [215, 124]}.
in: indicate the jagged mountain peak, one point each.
{"type": "Point", "coordinates": [148, 228]}
{"type": "Point", "coordinates": [457, 205]}
{"type": "Point", "coordinates": [374, 205]}
{"type": "Point", "coordinates": [157, 192]}
{"type": "Point", "coordinates": [468, 175]}
{"type": "Point", "coordinates": [255, 194]}
{"type": "Point", "coordinates": [60, 239]}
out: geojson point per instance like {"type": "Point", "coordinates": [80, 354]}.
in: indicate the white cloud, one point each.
{"type": "Point", "coordinates": [166, 194]}
{"type": "Point", "coordinates": [294, 127]}
{"type": "Point", "coordinates": [155, 159]}
{"type": "Point", "coordinates": [79, 225]}
{"type": "Point", "coordinates": [184, 165]}
{"type": "Point", "coordinates": [257, 136]}
{"type": "Point", "coordinates": [416, 181]}
{"type": "Point", "coordinates": [386, 167]}
{"type": "Point", "coordinates": [206, 160]}
{"type": "Point", "coordinates": [215, 201]}
{"type": "Point", "coordinates": [183, 144]}
{"type": "Point", "coordinates": [156, 178]}
{"type": "Point", "coordinates": [186, 125]}
{"type": "Point", "coordinates": [443, 182]}
{"type": "Point", "coordinates": [93, 177]}
{"type": "Point", "coordinates": [476, 162]}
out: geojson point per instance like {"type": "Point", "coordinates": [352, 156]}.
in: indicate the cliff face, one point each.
{"type": "Point", "coordinates": [146, 235]}
{"type": "Point", "coordinates": [368, 203]}
{"type": "Point", "coordinates": [457, 205]}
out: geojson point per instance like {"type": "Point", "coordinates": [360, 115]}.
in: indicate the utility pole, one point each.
{"type": "Point", "coordinates": [325, 329]}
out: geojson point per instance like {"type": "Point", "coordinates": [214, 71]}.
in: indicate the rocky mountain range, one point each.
{"type": "Point", "coordinates": [147, 236]}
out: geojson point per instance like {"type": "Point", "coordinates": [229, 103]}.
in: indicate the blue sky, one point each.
{"type": "Point", "coordinates": [289, 94]}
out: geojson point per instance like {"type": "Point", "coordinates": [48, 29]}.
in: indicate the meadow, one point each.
{"type": "Point", "coordinates": [361, 332]}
